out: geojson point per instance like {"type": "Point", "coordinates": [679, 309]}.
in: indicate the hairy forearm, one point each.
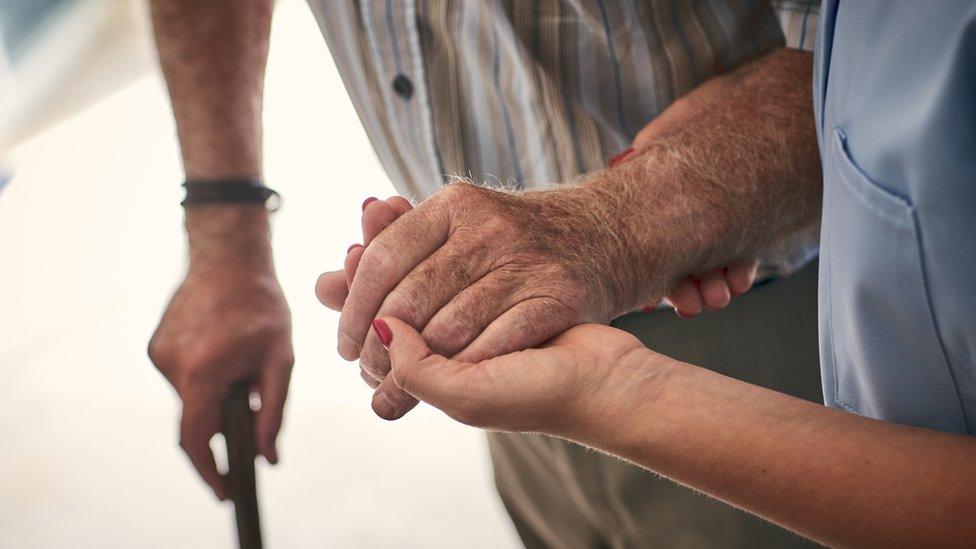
{"type": "Point", "coordinates": [726, 180]}
{"type": "Point", "coordinates": [213, 55]}
{"type": "Point", "coordinates": [836, 477]}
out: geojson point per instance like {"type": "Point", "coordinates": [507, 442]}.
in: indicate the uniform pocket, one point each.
{"type": "Point", "coordinates": [881, 352]}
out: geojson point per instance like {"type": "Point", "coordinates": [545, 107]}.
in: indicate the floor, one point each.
{"type": "Point", "coordinates": [90, 248]}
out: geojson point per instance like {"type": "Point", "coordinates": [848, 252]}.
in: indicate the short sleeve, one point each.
{"type": "Point", "coordinates": [799, 19]}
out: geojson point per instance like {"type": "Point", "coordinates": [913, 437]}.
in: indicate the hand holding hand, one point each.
{"type": "Point", "coordinates": [712, 290]}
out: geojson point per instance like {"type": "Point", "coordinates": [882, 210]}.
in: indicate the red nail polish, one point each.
{"type": "Point", "coordinates": [648, 308]}
{"type": "Point", "coordinates": [620, 157]}
{"type": "Point", "coordinates": [353, 246]}
{"type": "Point", "coordinates": [383, 331]}
{"type": "Point", "coordinates": [368, 200]}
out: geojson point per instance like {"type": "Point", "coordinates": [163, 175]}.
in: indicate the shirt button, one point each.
{"type": "Point", "coordinates": [403, 86]}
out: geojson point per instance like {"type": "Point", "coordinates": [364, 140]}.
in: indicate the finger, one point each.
{"type": "Point", "coordinates": [387, 260]}
{"type": "Point", "coordinates": [714, 290]}
{"type": "Point", "coordinates": [427, 289]}
{"type": "Point", "coordinates": [200, 422]}
{"type": "Point", "coordinates": [353, 256]}
{"type": "Point", "coordinates": [273, 388]}
{"type": "Point", "coordinates": [376, 216]}
{"type": "Point", "coordinates": [370, 380]}
{"type": "Point", "coordinates": [399, 204]}
{"type": "Point", "coordinates": [455, 325]}
{"type": "Point", "coordinates": [331, 289]}
{"type": "Point", "coordinates": [390, 402]}
{"type": "Point", "coordinates": [685, 298]}
{"type": "Point", "coordinates": [415, 368]}
{"type": "Point", "coordinates": [527, 324]}
{"type": "Point", "coordinates": [740, 276]}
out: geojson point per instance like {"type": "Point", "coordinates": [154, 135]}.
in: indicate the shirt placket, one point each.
{"type": "Point", "coordinates": [394, 39]}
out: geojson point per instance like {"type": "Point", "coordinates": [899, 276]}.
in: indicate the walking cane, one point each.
{"type": "Point", "coordinates": [239, 436]}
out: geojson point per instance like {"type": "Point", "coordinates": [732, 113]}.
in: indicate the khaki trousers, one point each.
{"type": "Point", "coordinates": [560, 494]}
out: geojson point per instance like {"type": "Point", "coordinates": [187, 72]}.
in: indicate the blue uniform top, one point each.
{"type": "Point", "coordinates": [895, 94]}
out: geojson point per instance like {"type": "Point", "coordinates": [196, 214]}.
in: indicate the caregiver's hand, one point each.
{"type": "Point", "coordinates": [554, 389]}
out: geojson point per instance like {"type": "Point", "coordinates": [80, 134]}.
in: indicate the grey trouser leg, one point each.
{"type": "Point", "coordinates": [560, 494]}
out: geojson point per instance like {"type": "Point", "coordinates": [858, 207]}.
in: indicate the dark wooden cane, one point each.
{"type": "Point", "coordinates": [239, 435]}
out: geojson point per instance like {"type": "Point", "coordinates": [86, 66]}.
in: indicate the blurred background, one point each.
{"type": "Point", "coordinates": [91, 246]}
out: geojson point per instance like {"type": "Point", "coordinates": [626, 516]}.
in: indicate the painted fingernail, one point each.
{"type": "Point", "coordinates": [648, 308]}
{"type": "Point", "coordinates": [368, 200]}
{"type": "Point", "coordinates": [383, 331]}
{"type": "Point", "coordinates": [354, 246]}
{"type": "Point", "coordinates": [620, 157]}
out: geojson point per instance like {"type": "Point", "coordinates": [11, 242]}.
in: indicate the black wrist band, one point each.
{"type": "Point", "coordinates": [229, 191]}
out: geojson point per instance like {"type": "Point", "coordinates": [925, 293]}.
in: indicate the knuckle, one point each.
{"type": "Point", "coordinates": [450, 333]}
{"type": "Point", "coordinates": [403, 377]}
{"type": "Point", "coordinates": [404, 304]}
{"type": "Point", "coordinates": [377, 260]}
{"type": "Point", "coordinates": [374, 368]}
{"type": "Point", "coordinates": [156, 351]}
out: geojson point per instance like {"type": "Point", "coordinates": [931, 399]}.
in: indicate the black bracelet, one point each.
{"type": "Point", "coordinates": [231, 190]}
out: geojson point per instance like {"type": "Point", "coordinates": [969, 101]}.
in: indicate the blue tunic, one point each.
{"type": "Point", "coordinates": [895, 94]}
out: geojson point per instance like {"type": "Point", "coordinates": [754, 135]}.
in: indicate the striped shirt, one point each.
{"type": "Point", "coordinates": [533, 92]}
{"type": "Point", "coordinates": [530, 93]}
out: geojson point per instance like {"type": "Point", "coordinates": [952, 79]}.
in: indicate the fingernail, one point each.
{"type": "Point", "coordinates": [620, 157]}
{"type": "Point", "coordinates": [368, 200]}
{"type": "Point", "coordinates": [383, 331]}
{"type": "Point", "coordinates": [354, 246]}
{"type": "Point", "coordinates": [648, 309]}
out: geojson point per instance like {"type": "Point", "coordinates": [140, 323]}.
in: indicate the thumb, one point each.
{"type": "Point", "coordinates": [414, 367]}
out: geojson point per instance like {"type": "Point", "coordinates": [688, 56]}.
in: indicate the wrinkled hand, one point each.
{"type": "Point", "coordinates": [225, 325]}
{"type": "Point", "coordinates": [482, 273]}
{"type": "Point", "coordinates": [552, 389]}
{"type": "Point", "coordinates": [711, 290]}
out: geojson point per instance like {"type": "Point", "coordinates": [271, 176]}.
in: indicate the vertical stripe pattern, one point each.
{"type": "Point", "coordinates": [532, 93]}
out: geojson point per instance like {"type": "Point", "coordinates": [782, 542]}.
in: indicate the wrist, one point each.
{"type": "Point", "coordinates": [229, 235]}
{"type": "Point", "coordinates": [637, 258]}
{"type": "Point", "coordinates": [621, 417]}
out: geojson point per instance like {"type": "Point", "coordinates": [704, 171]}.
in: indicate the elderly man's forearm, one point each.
{"type": "Point", "coordinates": [213, 55]}
{"type": "Point", "coordinates": [725, 182]}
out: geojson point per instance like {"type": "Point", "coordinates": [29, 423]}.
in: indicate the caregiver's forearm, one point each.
{"type": "Point", "coordinates": [836, 477]}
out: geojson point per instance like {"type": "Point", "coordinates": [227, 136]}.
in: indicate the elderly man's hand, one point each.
{"type": "Point", "coordinates": [559, 302]}
{"type": "Point", "coordinates": [228, 322]}
{"type": "Point", "coordinates": [482, 273]}
{"type": "Point", "coordinates": [712, 290]}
